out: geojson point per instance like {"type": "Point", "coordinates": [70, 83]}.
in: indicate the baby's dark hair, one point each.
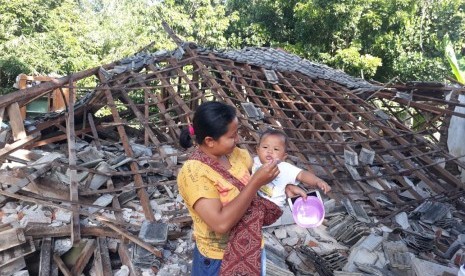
{"type": "Point", "coordinates": [272, 131]}
{"type": "Point", "coordinates": [210, 119]}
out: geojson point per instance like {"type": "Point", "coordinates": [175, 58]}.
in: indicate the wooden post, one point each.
{"type": "Point", "coordinates": [84, 257]}
{"type": "Point", "coordinates": [8, 148]}
{"type": "Point", "coordinates": [45, 257]}
{"type": "Point", "coordinates": [102, 258]}
{"type": "Point", "coordinates": [16, 122]}
{"type": "Point", "coordinates": [22, 83]}
{"type": "Point", "coordinates": [146, 118]}
{"type": "Point", "coordinates": [94, 131]}
{"type": "Point", "coordinates": [11, 238]}
{"type": "Point", "coordinates": [2, 111]}
{"type": "Point", "coordinates": [14, 253]}
{"type": "Point", "coordinates": [61, 265]}
{"type": "Point", "coordinates": [73, 187]}
{"type": "Point", "coordinates": [123, 251]}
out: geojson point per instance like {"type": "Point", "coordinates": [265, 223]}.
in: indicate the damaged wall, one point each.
{"type": "Point", "coordinates": [457, 129]}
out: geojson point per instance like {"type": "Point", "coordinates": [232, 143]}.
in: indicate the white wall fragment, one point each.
{"type": "Point", "coordinates": [456, 132]}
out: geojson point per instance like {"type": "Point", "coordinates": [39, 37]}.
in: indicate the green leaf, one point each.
{"type": "Point", "coordinates": [450, 55]}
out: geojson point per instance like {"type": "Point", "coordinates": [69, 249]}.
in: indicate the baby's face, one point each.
{"type": "Point", "coordinates": [272, 147]}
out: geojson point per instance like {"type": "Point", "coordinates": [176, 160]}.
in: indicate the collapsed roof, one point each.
{"type": "Point", "coordinates": [368, 156]}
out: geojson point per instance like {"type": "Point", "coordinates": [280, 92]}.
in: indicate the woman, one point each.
{"type": "Point", "coordinates": [220, 194]}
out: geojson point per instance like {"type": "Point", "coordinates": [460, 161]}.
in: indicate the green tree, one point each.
{"type": "Point", "coordinates": [44, 36]}
{"type": "Point", "coordinates": [405, 34]}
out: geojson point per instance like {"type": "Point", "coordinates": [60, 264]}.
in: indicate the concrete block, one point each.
{"type": "Point", "coordinates": [144, 258]}
{"type": "Point", "coordinates": [65, 178]}
{"type": "Point", "coordinates": [154, 233]}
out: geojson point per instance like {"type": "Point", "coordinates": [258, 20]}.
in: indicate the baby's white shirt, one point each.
{"type": "Point", "coordinates": [275, 190]}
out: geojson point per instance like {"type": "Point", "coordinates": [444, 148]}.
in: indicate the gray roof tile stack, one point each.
{"type": "Point", "coordinates": [279, 60]}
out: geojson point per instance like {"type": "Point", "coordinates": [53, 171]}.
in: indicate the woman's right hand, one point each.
{"type": "Point", "coordinates": [266, 173]}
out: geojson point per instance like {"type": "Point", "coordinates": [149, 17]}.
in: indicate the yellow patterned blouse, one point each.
{"type": "Point", "coordinates": [197, 180]}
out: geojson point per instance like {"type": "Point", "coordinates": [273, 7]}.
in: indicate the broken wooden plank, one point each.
{"type": "Point", "coordinates": [16, 186]}
{"type": "Point", "coordinates": [39, 231]}
{"type": "Point", "coordinates": [45, 257]}
{"type": "Point", "coordinates": [9, 148]}
{"type": "Point", "coordinates": [27, 95]}
{"type": "Point", "coordinates": [16, 122]}
{"type": "Point", "coordinates": [84, 257]}
{"type": "Point", "coordinates": [94, 131]}
{"type": "Point", "coordinates": [126, 258]}
{"type": "Point", "coordinates": [73, 187]}
{"type": "Point", "coordinates": [11, 268]}
{"type": "Point", "coordinates": [130, 237]}
{"type": "Point", "coordinates": [14, 253]}
{"type": "Point", "coordinates": [123, 251]}
{"type": "Point", "coordinates": [61, 265]}
{"type": "Point", "coordinates": [102, 261]}
{"type": "Point", "coordinates": [2, 111]}
{"type": "Point", "coordinates": [46, 160]}
{"type": "Point", "coordinates": [23, 156]}
{"type": "Point", "coordinates": [146, 117]}
{"type": "Point", "coordinates": [11, 238]}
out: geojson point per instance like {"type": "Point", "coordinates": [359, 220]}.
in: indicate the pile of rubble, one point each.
{"type": "Point", "coordinates": [428, 241]}
{"type": "Point", "coordinates": [41, 220]}
{"type": "Point", "coordinates": [35, 231]}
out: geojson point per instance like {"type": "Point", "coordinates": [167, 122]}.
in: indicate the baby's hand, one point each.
{"type": "Point", "coordinates": [322, 185]}
{"type": "Point", "coordinates": [294, 190]}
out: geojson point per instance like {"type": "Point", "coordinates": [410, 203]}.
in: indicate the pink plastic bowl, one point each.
{"type": "Point", "coordinates": [308, 213]}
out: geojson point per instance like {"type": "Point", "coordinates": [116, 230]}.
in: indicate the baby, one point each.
{"type": "Point", "coordinates": [273, 146]}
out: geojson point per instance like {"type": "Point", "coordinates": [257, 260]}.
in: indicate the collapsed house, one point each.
{"type": "Point", "coordinates": [93, 188]}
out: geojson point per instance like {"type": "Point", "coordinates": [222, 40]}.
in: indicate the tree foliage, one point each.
{"type": "Point", "coordinates": [381, 38]}
{"type": "Point", "coordinates": [44, 36]}
{"type": "Point", "coordinates": [378, 39]}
